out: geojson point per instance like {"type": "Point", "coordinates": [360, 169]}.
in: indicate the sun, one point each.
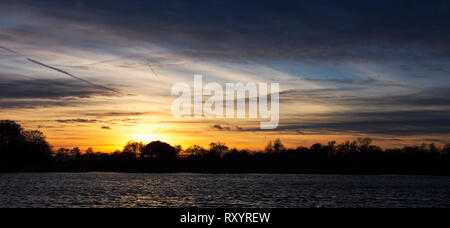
{"type": "Point", "coordinates": [146, 138]}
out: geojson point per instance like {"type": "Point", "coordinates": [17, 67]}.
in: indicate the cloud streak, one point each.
{"type": "Point", "coordinates": [71, 75]}
{"type": "Point", "coordinates": [58, 70]}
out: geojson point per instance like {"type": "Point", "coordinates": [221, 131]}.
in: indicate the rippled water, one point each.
{"type": "Point", "coordinates": [220, 190]}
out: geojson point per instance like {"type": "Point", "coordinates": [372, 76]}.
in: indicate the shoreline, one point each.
{"type": "Point", "coordinates": [225, 173]}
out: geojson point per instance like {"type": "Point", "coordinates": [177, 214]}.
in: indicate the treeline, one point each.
{"type": "Point", "coordinates": [23, 150]}
{"type": "Point", "coordinates": [22, 146]}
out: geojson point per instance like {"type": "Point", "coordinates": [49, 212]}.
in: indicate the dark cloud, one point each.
{"type": "Point", "coordinates": [48, 89]}
{"type": "Point", "coordinates": [77, 121]}
{"type": "Point", "coordinates": [325, 29]}
{"type": "Point", "coordinates": [32, 92]}
{"type": "Point", "coordinates": [399, 123]}
{"type": "Point", "coordinates": [106, 128]}
{"type": "Point", "coordinates": [35, 103]}
{"type": "Point", "coordinates": [227, 128]}
{"type": "Point", "coordinates": [438, 97]}
{"type": "Point", "coordinates": [221, 128]}
{"type": "Point", "coordinates": [433, 97]}
{"type": "Point", "coordinates": [433, 140]}
{"type": "Point", "coordinates": [420, 113]}
{"type": "Point", "coordinates": [357, 82]}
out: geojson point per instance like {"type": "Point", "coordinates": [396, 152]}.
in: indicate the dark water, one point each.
{"type": "Point", "coordinates": [220, 190]}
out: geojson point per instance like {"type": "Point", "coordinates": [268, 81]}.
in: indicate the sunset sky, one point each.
{"type": "Point", "coordinates": [98, 73]}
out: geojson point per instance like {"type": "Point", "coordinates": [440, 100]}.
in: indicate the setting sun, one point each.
{"type": "Point", "coordinates": [146, 138]}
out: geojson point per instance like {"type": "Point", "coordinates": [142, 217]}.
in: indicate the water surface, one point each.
{"type": "Point", "coordinates": [220, 190]}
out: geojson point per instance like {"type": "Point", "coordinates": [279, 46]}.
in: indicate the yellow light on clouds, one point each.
{"type": "Point", "coordinates": [146, 138]}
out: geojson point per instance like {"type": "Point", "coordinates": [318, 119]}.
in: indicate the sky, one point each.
{"type": "Point", "coordinates": [98, 73]}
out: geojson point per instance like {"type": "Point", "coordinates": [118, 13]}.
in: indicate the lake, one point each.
{"type": "Point", "coordinates": [221, 190]}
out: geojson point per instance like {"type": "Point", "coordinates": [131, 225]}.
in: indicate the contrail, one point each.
{"type": "Point", "coordinates": [12, 51]}
{"type": "Point", "coordinates": [58, 70]}
{"type": "Point", "coordinates": [151, 66]}
{"type": "Point", "coordinates": [70, 75]}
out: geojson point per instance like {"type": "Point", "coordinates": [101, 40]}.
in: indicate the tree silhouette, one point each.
{"type": "Point", "coordinates": [216, 150]}
{"type": "Point", "coordinates": [278, 146]}
{"type": "Point", "coordinates": [18, 145]}
{"type": "Point", "coordinates": [159, 150]}
{"type": "Point", "coordinates": [274, 147]}
{"type": "Point", "coordinates": [62, 154]}
{"type": "Point", "coordinates": [446, 149]}
{"type": "Point", "coordinates": [132, 150]}
{"type": "Point", "coordinates": [195, 150]}
{"type": "Point", "coordinates": [75, 152]}
{"type": "Point", "coordinates": [331, 148]}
